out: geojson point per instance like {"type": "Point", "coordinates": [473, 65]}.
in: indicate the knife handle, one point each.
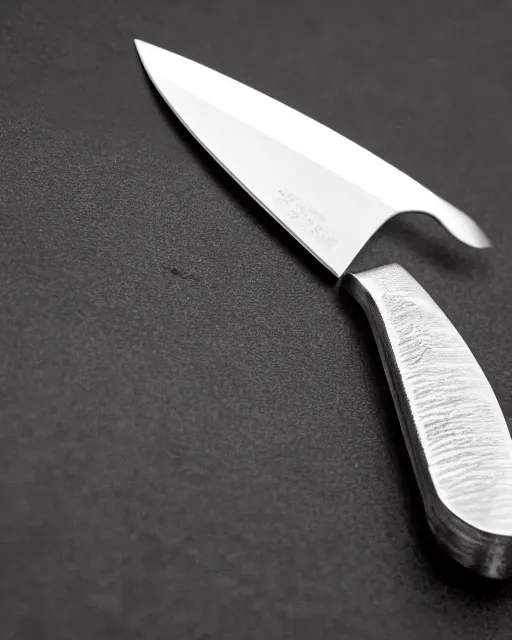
{"type": "Point", "coordinates": [455, 432]}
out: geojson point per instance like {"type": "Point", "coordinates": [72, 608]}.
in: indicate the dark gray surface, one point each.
{"type": "Point", "coordinates": [196, 439]}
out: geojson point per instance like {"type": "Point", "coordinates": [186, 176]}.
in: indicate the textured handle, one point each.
{"type": "Point", "coordinates": [454, 429]}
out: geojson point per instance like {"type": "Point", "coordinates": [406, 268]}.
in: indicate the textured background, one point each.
{"type": "Point", "coordinates": [196, 438]}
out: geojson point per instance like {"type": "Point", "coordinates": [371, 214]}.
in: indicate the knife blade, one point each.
{"type": "Point", "coordinates": [332, 195]}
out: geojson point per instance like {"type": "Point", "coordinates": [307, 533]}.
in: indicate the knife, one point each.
{"type": "Point", "coordinates": [332, 195]}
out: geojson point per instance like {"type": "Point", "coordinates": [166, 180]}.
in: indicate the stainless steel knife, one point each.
{"type": "Point", "coordinates": [332, 195]}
